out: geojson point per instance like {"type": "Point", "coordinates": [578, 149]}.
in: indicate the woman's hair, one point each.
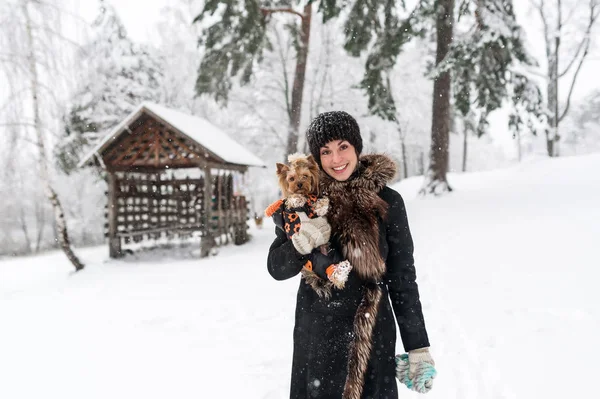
{"type": "Point", "coordinates": [329, 126]}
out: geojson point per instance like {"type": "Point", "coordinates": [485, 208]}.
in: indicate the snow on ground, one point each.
{"type": "Point", "coordinates": [507, 267]}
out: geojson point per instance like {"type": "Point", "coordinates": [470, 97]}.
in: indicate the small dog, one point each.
{"type": "Point", "coordinates": [299, 184]}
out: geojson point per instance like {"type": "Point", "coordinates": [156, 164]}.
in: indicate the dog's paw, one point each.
{"type": "Point", "coordinates": [295, 201]}
{"type": "Point", "coordinates": [321, 206]}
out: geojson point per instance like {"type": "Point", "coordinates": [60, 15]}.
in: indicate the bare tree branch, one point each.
{"type": "Point", "coordinates": [575, 56]}
{"type": "Point", "coordinates": [573, 83]}
{"type": "Point", "coordinates": [571, 12]}
{"type": "Point", "coordinates": [12, 96]}
{"type": "Point", "coordinates": [286, 79]}
{"type": "Point", "coordinates": [540, 7]}
{"type": "Point", "coordinates": [267, 11]}
{"type": "Point", "coordinates": [252, 106]}
{"type": "Point", "coordinates": [61, 37]}
{"type": "Point", "coordinates": [64, 11]}
{"type": "Point", "coordinates": [594, 13]}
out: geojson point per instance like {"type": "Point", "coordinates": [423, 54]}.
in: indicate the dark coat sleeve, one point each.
{"type": "Point", "coordinates": [284, 261]}
{"type": "Point", "coordinates": [401, 274]}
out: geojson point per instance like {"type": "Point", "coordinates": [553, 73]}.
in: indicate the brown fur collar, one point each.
{"type": "Point", "coordinates": [354, 211]}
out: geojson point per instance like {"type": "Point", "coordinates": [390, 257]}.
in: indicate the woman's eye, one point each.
{"type": "Point", "coordinates": [324, 152]}
{"type": "Point", "coordinates": [344, 146]}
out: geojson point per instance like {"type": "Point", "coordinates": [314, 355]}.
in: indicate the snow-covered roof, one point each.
{"type": "Point", "coordinates": [195, 128]}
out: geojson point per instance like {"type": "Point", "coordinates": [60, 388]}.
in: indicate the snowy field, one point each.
{"type": "Point", "coordinates": [508, 268]}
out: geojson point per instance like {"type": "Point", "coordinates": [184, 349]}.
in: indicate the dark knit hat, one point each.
{"type": "Point", "coordinates": [329, 126]}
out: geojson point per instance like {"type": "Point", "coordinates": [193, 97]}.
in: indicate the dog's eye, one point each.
{"type": "Point", "coordinates": [291, 179]}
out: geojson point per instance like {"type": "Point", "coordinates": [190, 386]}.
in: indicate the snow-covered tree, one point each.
{"type": "Point", "coordinates": [234, 37]}
{"type": "Point", "coordinates": [36, 50]}
{"type": "Point", "coordinates": [117, 76]}
{"type": "Point", "coordinates": [563, 21]}
{"type": "Point", "coordinates": [486, 62]}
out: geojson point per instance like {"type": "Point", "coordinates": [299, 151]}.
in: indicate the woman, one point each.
{"type": "Point", "coordinates": [344, 346]}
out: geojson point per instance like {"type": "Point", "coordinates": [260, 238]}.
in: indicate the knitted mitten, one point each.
{"type": "Point", "coordinates": [424, 374]}
{"type": "Point", "coordinates": [312, 234]}
{"type": "Point", "coordinates": [338, 273]}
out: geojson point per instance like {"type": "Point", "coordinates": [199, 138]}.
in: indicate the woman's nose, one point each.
{"type": "Point", "coordinates": [336, 157]}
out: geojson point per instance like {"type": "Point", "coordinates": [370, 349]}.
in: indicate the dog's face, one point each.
{"type": "Point", "coordinates": [301, 176]}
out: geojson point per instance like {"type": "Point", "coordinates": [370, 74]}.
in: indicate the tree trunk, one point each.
{"type": "Point", "coordinates": [552, 133]}
{"type": "Point", "coordinates": [25, 230]}
{"type": "Point", "coordinates": [404, 161]}
{"type": "Point", "coordinates": [464, 162]}
{"type": "Point", "coordinates": [40, 217]}
{"type": "Point", "coordinates": [298, 88]}
{"type": "Point", "coordinates": [435, 179]}
{"type": "Point", "coordinates": [59, 216]}
{"type": "Point", "coordinates": [519, 150]}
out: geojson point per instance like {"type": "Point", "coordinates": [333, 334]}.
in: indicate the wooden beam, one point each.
{"type": "Point", "coordinates": [141, 150]}
{"type": "Point", "coordinates": [114, 242]}
{"type": "Point", "coordinates": [156, 149]}
{"type": "Point", "coordinates": [207, 240]}
{"type": "Point", "coordinates": [126, 142]}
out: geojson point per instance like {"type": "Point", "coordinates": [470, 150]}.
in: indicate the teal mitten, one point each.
{"type": "Point", "coordinates": [424, 376]}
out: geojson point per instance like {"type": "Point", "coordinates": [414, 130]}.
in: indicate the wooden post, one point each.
{"type": "Point", "coordinates": [221, 220]}
{"type": "Point", "coordinates": [207, 240]}
{"type": "Point", "coordinates": [114, 242]}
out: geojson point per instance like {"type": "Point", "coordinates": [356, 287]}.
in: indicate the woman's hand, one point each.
{"type": "Point", "coordinates": [312, 234]}
{"type": "Point", "coordinates": [415, 359]}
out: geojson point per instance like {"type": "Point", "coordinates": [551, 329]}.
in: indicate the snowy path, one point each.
{"type": "Point", "coordinates": [507, 267]}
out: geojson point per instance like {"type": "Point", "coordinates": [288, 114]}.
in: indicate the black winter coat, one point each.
{"type": "Point", "coordinates": [324, 327]}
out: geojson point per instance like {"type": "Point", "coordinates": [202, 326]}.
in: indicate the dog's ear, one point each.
{"type": "Point", "coordinates": [312, 164]}
{"type": "Point", "coordinates": [281, 168]}
{"type": "Point", "coordinates": [315, 182]}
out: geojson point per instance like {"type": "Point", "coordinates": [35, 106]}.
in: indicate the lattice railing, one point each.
{"type": "Point", "coordinates": [150, 205]}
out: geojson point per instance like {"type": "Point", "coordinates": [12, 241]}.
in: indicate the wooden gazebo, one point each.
{"type": "Point", "coordinates": [149, 158]}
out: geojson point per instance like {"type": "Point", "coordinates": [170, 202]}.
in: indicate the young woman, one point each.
{"type": "Point", "coordinates": [344, 346]}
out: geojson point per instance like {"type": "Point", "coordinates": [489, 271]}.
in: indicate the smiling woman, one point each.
{"type": "Point", "coordinates": [344, 345]}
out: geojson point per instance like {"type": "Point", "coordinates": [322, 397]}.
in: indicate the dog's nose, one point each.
{"type": "Point", "coordinates": [299, 185]}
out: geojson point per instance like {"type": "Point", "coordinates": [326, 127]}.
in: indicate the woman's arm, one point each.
{"type": "Point", "coordinates": [401, 274]}
{"type": "Point", "coordinates": [284, 260]}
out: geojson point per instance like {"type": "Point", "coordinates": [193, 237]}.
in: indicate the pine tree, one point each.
{"type": "Point", "coordinates": [234, 44]}
{"type": "Point", "coordinates": [120, 75]}
{"type": "Point", "coordinates": [486, 64]}
{"type": "Point", "coordinates": [475, 68]}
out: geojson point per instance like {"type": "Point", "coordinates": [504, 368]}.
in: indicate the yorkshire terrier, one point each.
{"type": "Point", "coordinates": [299, 184]}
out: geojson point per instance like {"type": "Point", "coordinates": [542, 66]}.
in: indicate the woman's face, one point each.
{"type": "Point", "coordinates": [339, 159]}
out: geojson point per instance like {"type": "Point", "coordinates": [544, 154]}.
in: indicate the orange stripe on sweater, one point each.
{"type": "Point", "coordinates": [271, 209]}
{"type": "Point", "coordinates": [330, 270]}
